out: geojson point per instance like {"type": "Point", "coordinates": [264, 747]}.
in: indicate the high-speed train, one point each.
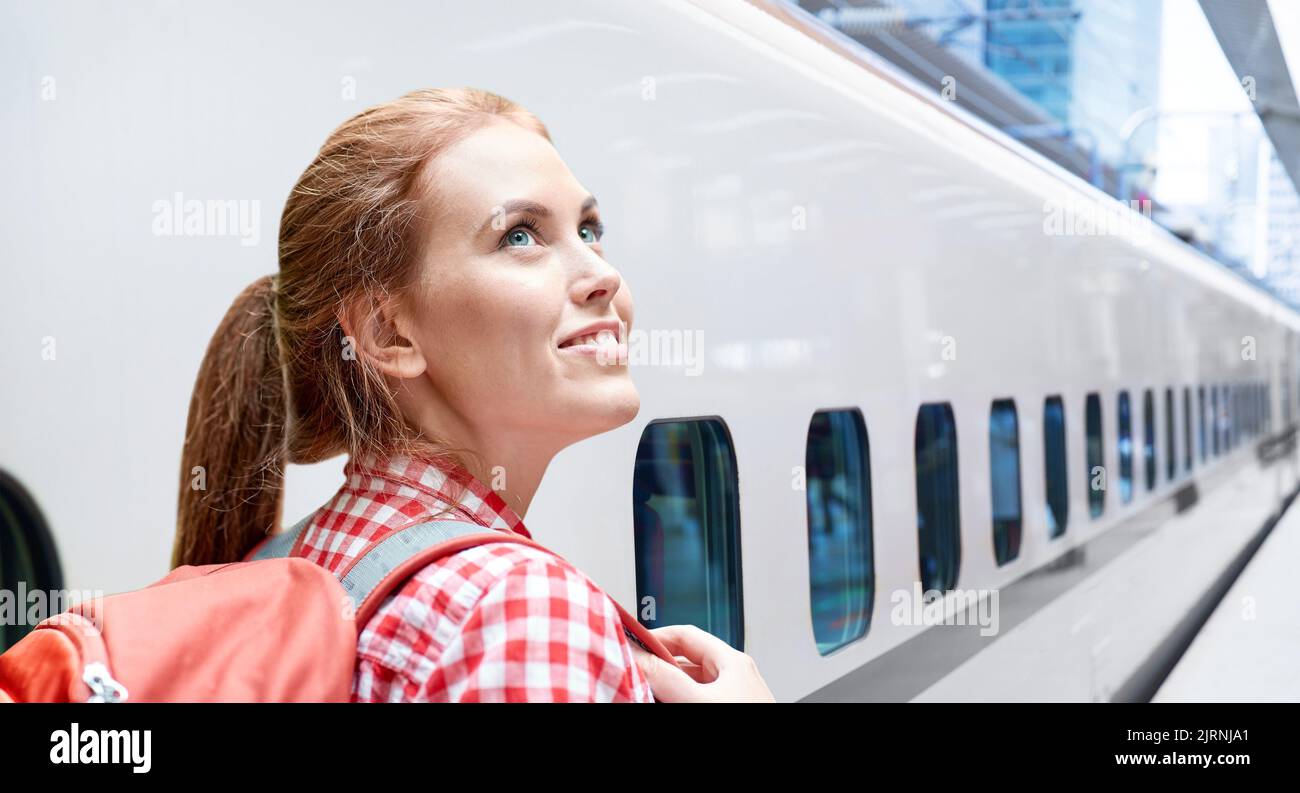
{"type": "Point", "coordinates": [908, 430]}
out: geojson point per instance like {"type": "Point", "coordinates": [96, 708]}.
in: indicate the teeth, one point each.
{"type": "Point", "coordinates": [594, 340]}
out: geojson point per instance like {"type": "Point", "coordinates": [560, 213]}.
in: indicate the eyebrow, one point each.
{"type": "Point", "coordinates": [530, 207]}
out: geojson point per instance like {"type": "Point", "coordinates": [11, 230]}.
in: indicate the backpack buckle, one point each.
{"type": "Point", "coordinates": [102, 686]}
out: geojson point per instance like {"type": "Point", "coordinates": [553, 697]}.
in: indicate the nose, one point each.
{"type": "Point", "coordinates": [597, 281]}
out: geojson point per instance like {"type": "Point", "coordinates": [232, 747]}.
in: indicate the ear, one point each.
{"type": "Point", "coordinates": [375, 329]}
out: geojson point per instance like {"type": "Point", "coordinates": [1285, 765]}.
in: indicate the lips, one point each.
{"type": "Point", "coordinates": [593, 335]}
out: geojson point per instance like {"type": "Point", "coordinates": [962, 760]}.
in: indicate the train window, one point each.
{"type": "Point", "coordinates": [838, 482]}
{"type": "Point", "coordinates": [1244, 410]}
{"type": "Point", "coordinates": [686, 519]}
{"type": "Point", "coordinates": [1252, 399]}
{"type": "Point", "coordinates": [1004, 479]}
{"type": "Point", "coordinates": [28, 559]}
{"type": "Point", "coordinates": [1187, 428]}
{"type": "Point", "coordinates": [1215, 423]}
{"type": "Point", "coordinates": [938, 502]}
{"type": "Point", "coordinates": [1227, 419]}
{"type": "Point", "coordinates": [1149, 438]}
{"type": "Point", "coordinates": [1247, 410]}
{"type": "Point", "coordinates": [1200, 394]}
{"type": "Point", "coordinates": [1054, 459]}
{"type": "Point", "coordinates": [1125, 415]}
{"type": "Point", "coordinates": [1236, 414]}
{"type": "Point", "coordinates": [1096, 460]}
{"type": "Point", "coordinates": [1171, 454]}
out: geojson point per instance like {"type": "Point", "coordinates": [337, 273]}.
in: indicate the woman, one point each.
{"type": "Point", "coordinates": [444, 315]}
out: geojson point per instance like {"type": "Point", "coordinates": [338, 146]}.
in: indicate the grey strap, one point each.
{"type": "Point", "coordinates": [278, 546]}
{"type": "Point", "coordinates": [383, 558]}
{"type": "Point", "coordinates": [397, 548]}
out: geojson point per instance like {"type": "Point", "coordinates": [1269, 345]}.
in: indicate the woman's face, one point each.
{"type": "Point", "coordinates": [521, 322]}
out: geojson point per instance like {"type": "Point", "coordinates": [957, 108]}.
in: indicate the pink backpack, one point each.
{"type": "Point", "coordinates": [270, 629]}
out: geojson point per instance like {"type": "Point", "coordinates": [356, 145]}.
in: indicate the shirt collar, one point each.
{"type": "Point", "coordinates": [438, 483]}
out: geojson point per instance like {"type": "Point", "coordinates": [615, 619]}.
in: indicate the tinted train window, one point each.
{"type": "Point", "coordinates": [1233, 413]}
{"type": "Point", "coordinates": [686, 518]}
{"type": "Point", "coordinates": [27, 555]}
{"type": "Point", "coordinates": [938, 503]}
{"type": "Point", "coordinates": [838, 467]}
{"type": "Point", "coordinates": [1149, 438]}
{"type": "Point", "coordinates": [1215, 423]}
{"type": "Point", "coordinates": [1096, 467]}
{"type": "Point", "coordinates": [1227, 418]}
{"type": "Point", "coordinates": [1054, 463]}
{"type": "Point", "coordinates": [1200, 393]}
{"type": "Point", "coordinates": [1247, 410]}
{"type": "Point", "coordinates": [1171, 455]}
{"type": "Point", "coordinates": [1125, 414]}
{"type": "Point", "coordinates": [1004, 474]}
{"type": "Point", "coordinates": [1187, 428]}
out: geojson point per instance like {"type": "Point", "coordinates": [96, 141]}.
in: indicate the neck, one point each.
{"type": "Point", "coordinates": [509, 461]}
{"type": "Point", "coordinates": [513, 470]}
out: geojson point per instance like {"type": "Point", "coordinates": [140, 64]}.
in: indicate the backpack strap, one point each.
{"type": "Point", "coordinates": [277, 546]}
{"type": "Point", "coordinates": [384, 566]}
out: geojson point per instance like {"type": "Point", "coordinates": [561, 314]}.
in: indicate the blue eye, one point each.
{"type": "Point", "coordinates": [518, 238]}
{"type": "Point", "coordinates": [591, 230]}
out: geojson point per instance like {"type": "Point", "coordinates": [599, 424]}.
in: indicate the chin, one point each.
{"type": "Point", "coordinates": [608, 407]}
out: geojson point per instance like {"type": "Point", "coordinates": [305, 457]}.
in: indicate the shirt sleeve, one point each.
{"type": "Point", "coordinates": [542, 632]}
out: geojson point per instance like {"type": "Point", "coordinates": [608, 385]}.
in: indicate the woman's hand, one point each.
{"type": "Point", "coordinates": [712, 671]}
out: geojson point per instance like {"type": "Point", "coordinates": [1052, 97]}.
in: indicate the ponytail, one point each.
{"type": "Point", "coordinates": [232, 464]}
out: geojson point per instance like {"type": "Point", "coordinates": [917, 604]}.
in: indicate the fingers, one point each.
{"type": "Point", "coordinates": [699, 646]}
{"type": "Point", "coordinates": [669, 683]}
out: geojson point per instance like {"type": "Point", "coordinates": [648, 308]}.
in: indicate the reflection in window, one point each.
{"type": "Point", "coordinates": [1004, 468]}
{"type": "Point", "coordinates": [686, 517]}
{"type": "Point", "coordinates": [1125, 449]}
{"type": "Point", "coordinates": [838, 468]}
{"type": "Point", "coordinates": [1054, 459]}
{"type": "Point", "coordinates": [1096, 467]}
{"type": "Point", "coordinates": [938, 514]}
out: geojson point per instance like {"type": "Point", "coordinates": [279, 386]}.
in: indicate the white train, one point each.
{"type": "Point", "coordinates": [803, 231]}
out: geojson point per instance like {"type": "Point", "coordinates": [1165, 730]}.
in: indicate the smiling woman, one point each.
{"type": "Point", "coordinates": [444, 315]}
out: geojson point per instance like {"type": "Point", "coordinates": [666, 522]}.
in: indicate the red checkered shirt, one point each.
{"type": "Point", "coordinates": [500, 622]}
